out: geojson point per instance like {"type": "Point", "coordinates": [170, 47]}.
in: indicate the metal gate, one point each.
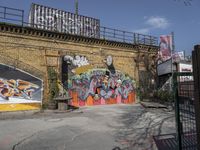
{"type": "Point", "coordinates": [185, 112]}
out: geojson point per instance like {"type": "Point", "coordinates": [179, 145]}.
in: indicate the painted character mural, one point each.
{"type": "Point", "coordinates": [106, 91]}
{"type": "Point", "coordinates": [118, 90]}
{"type": "Point", "coordinates": [100, 84]}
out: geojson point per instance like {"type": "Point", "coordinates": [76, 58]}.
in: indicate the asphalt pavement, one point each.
{"type": "Point", "coordinates": [108, 127]}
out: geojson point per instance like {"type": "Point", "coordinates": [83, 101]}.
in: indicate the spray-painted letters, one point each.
{"type": "Point", "coordinates": [54, 19]}
{"type": "Point", "coordinates": [99, 84]}
{"type": "Point", "coordinates": [18, 87]}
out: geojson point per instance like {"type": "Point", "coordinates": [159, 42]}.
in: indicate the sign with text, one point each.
{"type": "Point", "coordinates": [185, 68]}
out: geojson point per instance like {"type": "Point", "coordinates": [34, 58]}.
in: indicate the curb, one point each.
{"type": "Point", "coordinates": [33, 113]}
{"type": "Point", "coordinates": [17, 114]}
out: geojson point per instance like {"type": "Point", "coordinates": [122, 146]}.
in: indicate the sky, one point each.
{"type": "Point", "coordinates": [151, 17]}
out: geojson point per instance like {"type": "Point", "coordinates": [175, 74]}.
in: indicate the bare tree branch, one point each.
{"type": "Point", "coordinates": [186, 2]}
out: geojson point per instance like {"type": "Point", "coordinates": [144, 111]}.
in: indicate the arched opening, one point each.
{"type": "Point", "coordinates": [18, 87]}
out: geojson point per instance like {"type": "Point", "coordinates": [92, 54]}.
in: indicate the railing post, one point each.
{"type": "Point", "coordinates": [150, 40]}
{"type": "Point", "coordinates": [4, 13]}
{"type": "Point", "coordinates": [123, 36]}
{"type": "Point", "coordinates": [177, 112]}
{"type": "Point", "coordinates": [114, 33]}
{"type": "Point", "coordinates": [134, 38]}
{"type": "Point", "coordinates": [22, 18]}
{"type": "Point", "coordinates": [196, 73]}
{"type": "Point", "coordinates": [138, 39]}
{"type": "Point", "coordinates": [104, 32]}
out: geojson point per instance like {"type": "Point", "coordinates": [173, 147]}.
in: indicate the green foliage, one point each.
{"type": "Point", "coordinates": [164, 96]}
{"type": "Point", "coordinates": [138, 94]}
{"type": "Point", "coordinates": [53, 85]}
{"type": "Point", "coordinates": [44, 106]}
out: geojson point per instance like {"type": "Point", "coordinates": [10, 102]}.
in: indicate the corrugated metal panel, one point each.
{"type": "Point", "coordinates": [57, 20]}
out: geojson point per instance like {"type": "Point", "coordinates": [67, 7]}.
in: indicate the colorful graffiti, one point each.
{"type": "Point", "coordinates": [99, 86]}
{"type": "Point", "coordinates": [17, 86]}
{"type": "Point", "coordinates": [98, 83]}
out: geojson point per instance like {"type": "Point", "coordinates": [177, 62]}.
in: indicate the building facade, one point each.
{"type": "Point", "coordinates": [39, 64]}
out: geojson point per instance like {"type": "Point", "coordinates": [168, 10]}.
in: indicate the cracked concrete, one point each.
{"type": "Point", "coordinates": [129, 127]}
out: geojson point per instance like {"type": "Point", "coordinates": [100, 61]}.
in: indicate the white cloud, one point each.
{"type": "Point", "coordinates": [143, 31]}
{"type": "Point", "coordinates": [152, 23]}
{"type": "Point", "coordinates": [157, 22]}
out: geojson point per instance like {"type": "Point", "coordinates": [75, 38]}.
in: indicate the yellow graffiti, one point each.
{"type": "Point", "coordinates": [19, 107]}
{"type": "Point", "coordinates": [82, 69]}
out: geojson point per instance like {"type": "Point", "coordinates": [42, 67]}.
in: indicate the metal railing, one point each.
{"type": "Point", "coordinates": [185, 111]}
{"type": "Point", "coordinates": [12, 15]}
{"type": "Point", "coordinates": [185, 137]}
{"type": "Point", "coordinates": [127, 37]}
{"type": "Point", "coordinates": [16, 16]}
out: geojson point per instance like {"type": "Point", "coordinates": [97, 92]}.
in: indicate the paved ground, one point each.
{"type": "Point", "coordinates": [129, 127]}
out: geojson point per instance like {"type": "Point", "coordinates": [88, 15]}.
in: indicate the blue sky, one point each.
{"type": "Point", "coordinates": [154, 17]}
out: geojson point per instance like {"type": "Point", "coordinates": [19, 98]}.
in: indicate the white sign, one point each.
{"type": "Point", "coordinates": [177, 56]}
{"type": "Point", "coordinates": [185, 68]}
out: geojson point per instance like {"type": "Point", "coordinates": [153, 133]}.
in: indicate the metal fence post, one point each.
{"type": "Point", "coordinates": [177, 112]}
{"type": "Point", "coordinates": [123, 36]}
{"type": "Point", "coordinates": [4, 13]}
{"type": "Point", "coordinates": [196, 67]}
{"type": "Point", "coordinates": [22, 18]}
{"type": "Point", "coordinates": [104, 32]}
{"type": "Point", "coordinates": [134, 38]}
{"type": "Point", "coordinates": [114, 33]}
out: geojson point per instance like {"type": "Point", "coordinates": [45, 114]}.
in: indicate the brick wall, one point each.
{"type": "Point", "coordinates": [33, 50]}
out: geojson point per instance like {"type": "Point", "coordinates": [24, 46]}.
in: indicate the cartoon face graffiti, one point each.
{"type": "Point", "coordinates": [109, 60]}
{"type": "Point", "coordinates": [105, 90]}
{"type": "Point", "coordinates": [118, 90]}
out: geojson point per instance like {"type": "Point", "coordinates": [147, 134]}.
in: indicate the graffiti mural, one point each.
{"type": "Point", "coordinates": [77, 61]}
{"type": "Point", "coordinates": [53, 19]}
{"type": "Point", "coordinates": [17, 86]}
{"type": "Point", "coordinates": [72, 65]}
{"type": "Point", "coordinates": [97, 86]}
{"type": "Point", "coordinates": [98, 83]}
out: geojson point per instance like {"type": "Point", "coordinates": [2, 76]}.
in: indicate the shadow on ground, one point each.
{"type": "Point", "coordinates": [139, 125]}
